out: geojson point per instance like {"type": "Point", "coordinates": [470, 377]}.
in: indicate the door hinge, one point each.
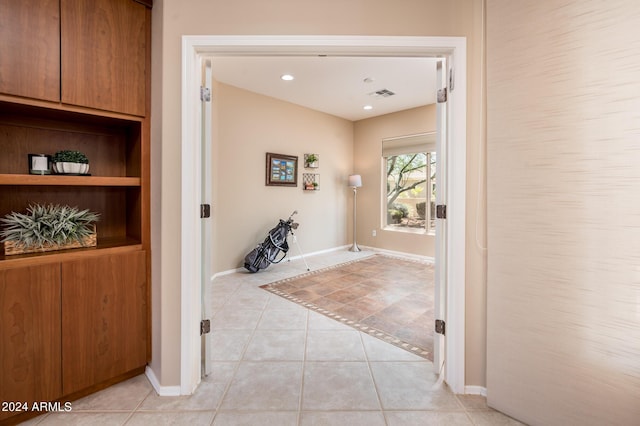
{"type": "Point", "coordinates": [205, 211]}
{"type": "Point", "coordinates": [442, 95]}
{"type": "Point", "coordinates": [205, 94]}
{"type": "Point", "coordinates": [205, 326]}
{"type": "Point", "coordinates": [441, 211]}
{"type": "Point", "coordinates": [440, 327]}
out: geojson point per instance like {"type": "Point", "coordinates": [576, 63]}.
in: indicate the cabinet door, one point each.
{"type": "Point", "coordinates": [104, 318]}
{"type": "Point", "coordinates": [30, 48]}
{"type": "Point", "coordinates": [104, 51]}
{"type": "Point", "coordinates": [30, 335]}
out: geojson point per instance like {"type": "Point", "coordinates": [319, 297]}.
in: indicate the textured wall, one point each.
{"type": "Point", "coordinates": [564, 211]}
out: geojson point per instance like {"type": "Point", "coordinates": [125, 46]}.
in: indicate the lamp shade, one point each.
{"type": "Point", "coordinates": [355, 181]}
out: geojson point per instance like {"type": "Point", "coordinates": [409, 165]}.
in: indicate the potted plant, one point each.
{"type": "Point", "coordinates": [48, 227]}
{"type": "Point", "coordinates": [310, 160]}
{"type": "Point", "coordinates": [70, 162]}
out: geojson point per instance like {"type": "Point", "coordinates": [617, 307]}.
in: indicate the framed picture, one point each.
{"type": "Point", "coordinates": [282, 170]}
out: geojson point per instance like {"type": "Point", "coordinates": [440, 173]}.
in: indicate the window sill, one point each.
{"type": "Point", "coordinates": [408, 230]}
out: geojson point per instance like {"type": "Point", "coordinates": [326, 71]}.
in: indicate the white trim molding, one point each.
{"type": "Point", "coordinates": [475, 390]}
{"type": "Point", "coordinates": [161, 390]}
{"type": "Point", "coordinates": [195, 48]}
{"type": "Point", "coordinates": [416, 257]}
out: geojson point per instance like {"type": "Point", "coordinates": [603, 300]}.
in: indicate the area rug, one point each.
{"type": "Point", "coordinates": [385, 296]}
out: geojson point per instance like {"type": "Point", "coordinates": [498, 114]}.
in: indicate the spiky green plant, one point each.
{"type": "Point", "coordinates": [48, 224]}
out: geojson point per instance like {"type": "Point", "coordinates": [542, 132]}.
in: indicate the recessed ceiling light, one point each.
{"type": "Point", "coordinates": [287, 77]}
{"type": "Point", "coordinates": [368, 107]}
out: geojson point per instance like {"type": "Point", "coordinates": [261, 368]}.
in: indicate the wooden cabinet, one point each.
{"type": "Point", "coordinates": [30, 344]}
{"type": "Point", "coordinates": [74, 75]}
{"type": "Point", "coordinates": [85, 53]}
{"type": "Point", "coordinates": [71, 325]}
{"type": "Point", "coordinates": [104, 49]}
{"type": "Point", "coordinates": [104, 322]}
{"type": "Point", "coordinates": [30, 48]}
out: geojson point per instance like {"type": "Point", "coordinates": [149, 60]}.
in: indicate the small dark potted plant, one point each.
{"type": "Point", "coordinates": [70, 162]}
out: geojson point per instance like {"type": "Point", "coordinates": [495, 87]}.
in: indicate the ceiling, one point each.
{"type": "Point", "coordinates": [339, 86]}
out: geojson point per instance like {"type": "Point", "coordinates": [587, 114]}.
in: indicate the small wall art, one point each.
{"type": "Point", "coordinates": [311, 181]}
{"type": "Point", "coordinates": [311, 161]}
{"type": "Point", "coordinates": [281, 170]}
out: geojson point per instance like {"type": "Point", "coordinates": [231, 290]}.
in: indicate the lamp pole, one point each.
{"type": "Point", "coordinates": [355, 181]}
{"type": "Point", "coordinates": [354, 247]}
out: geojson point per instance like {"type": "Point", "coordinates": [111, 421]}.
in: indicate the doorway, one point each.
{"type": "Point", "coordinates": [197, 48]}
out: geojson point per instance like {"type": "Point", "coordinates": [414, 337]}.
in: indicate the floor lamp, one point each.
{"type": "Point", "coordinates": [355, 181]}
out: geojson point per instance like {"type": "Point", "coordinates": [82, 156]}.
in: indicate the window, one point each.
{"type": "Point", "coordinates": [410, 181]}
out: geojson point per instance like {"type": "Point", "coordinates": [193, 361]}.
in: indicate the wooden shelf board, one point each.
{"type": "Point", "coordinates": [60, 180]}
{"type": "Point", "coordinates": [105, 246]}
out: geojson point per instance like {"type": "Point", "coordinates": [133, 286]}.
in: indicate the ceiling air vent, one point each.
{"type": "Point", "coordinates": [382, 93]}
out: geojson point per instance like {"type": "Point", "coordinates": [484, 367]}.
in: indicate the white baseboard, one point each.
{"type": "Point", "coordinates": [315, 253]}
{"type": "Point", "coordinates": [475, 390]}
{"type": "Point", "coordinates": [418, 257]}
{"type": "Point", "coordinates": [161, 390]}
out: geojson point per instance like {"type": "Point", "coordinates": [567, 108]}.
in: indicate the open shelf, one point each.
{"type": "Point", "coordinates": [59, 180]}
{"type": "Point", "coordinates": [20, 179]}
{"type": "Point", "coordinates": [112, 145]}
{"type": "Point", "coordinates": [105, 246]}
{"type": "Point", "coordinates": [114, 188]}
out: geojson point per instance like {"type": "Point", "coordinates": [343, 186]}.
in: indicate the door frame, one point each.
{"type": "Point", "coordinates": [196, 48]}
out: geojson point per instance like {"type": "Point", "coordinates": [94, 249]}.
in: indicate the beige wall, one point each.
{"type": "Point", "coordinates": [303, 17]}
{"type": "Point", "coordinates": [564, 213]}
{"type": "Point", "coordinates": [245, 209]}
{"type": "Point", "coordinates": [367, 162]}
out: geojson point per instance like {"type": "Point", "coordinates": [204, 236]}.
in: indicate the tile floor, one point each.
{"type": "Point", "coordinates": [276, 363]}
{"type": "Point", "coordinates": [385, 295]}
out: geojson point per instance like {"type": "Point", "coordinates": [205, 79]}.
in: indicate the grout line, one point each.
{"type": "Point", "coordinates": [137, 407]}
{"type": "Point", "coordinates": [373, 380]}
{"type": "Point", "coordinates": [304, 369]}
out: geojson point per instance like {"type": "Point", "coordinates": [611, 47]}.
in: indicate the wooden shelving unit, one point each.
{"type": "Point", "coordinates": [114, 145]}
{"type": "Point", "coordinates": [85, 86]}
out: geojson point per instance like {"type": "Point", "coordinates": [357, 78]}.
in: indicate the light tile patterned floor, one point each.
{"type": "Point", "coordinates": [276, 363]}
{"type": "Point", "coordinates": [388, 297]}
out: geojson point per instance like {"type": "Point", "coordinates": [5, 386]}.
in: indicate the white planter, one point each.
{"type": "Point", "coordinates": [71, 168]}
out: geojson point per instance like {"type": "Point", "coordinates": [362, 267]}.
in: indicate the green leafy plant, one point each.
{"type": "Point", "coordinates": [70, 157]}
{"type": "Point", "coordinates": [310, 159]}
{"type": "Point", "coordinates": [48, 224]}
